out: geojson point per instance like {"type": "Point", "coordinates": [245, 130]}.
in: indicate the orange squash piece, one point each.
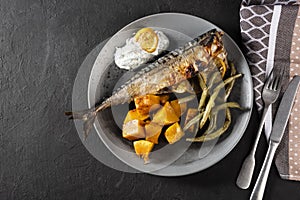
{"type": "Point", "coordinates": [133, 114]}
{"type": "Point", "coordinates": [133, 130]}
{"type": "Point", "coordinates": [153, 131]}
{"type": "Point", "coordinates": [178, 108]}
{"type": "Point", "coordinates": [166, 115]}
{"type": "Point", "coordinates": [143, 148]}
{"type": "Point", "coordinates": [174, 133]}
{"type": "Point", "coordinates": [144, 103]}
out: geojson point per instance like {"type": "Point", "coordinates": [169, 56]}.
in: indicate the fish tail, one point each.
{"type": "Point", "coordinates": [88, 117]}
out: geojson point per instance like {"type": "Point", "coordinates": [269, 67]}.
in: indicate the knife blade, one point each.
{"type": "Point", "coordinates": [281, 119]}
{"type": "Point", "coordinates": [284, 110]}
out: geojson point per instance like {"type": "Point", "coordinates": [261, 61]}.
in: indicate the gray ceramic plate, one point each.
{"type": "Point", "coordinates": [165, 160]}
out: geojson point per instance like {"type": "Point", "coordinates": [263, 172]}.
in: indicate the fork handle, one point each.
{"type": "Point", "coordinates": [259, 188]}
{"type": "Point", "coordinates": [261, 125]}
{"type": "Point", "coordinates": [244, 178]}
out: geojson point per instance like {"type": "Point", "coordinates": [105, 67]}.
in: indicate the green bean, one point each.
{"type": "Point", "coordinates": [227, 81]}
{"type": "Point", "coordinates": [212, 124]}
{"type": "Point", "coordinates": [193, 121]}
{"type": "Point", "coordinates": [226, 105]}
{"type": "Point", "coordinates": [201, 81]}
{"type": "Point", "coordinates": [230, 86]}
{"type": "Point", "coordinates": [232, 68]}
{"type": "Point", "coordinates": [207, 110]}
{"type": "Point", "coordinates": [215, 134]}
{"type": "Point", "coordinates": [186, 99]}
{"type": "Point", "coordinates": [203, 99]}
{"type": "Point", "coordinates": [212, 79]}
{"type": "Point", "coordinates": [213, 97]}
{"type": "Point", "coordinates": [204, 92]}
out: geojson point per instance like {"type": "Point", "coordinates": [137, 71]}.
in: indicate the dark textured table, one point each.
{"type": "Point", "coordinates": [42, 45]}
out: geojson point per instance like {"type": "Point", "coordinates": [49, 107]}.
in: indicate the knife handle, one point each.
{"type": "Point", "coordinates": [259, 188]}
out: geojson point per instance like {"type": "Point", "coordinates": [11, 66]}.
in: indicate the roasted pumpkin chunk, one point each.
{"type": "Point", "coordinates": [178, 108]}
{"type": "Point", "coordinates": [191, 113]}
{"type": "Point", "coordinates": [174, 133]}
{"type": "Point", "coordinates": [144, 103]}
{"type": "Point", "coordinates": [143, 148]}
{"type": "Point", "coordinates": [166, 115]}
{"type": "Point", "coordinates": [133, 130]}
{"type": "Point", "coordinates": [153, 131]}
{"type": "Point", "coordinates": [133, 114]}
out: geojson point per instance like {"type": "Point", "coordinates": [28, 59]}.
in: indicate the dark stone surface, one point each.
{"type": "Point", "coordinates": [42, 45]}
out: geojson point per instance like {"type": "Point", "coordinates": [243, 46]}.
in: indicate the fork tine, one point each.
{"type": "Point", "coordinates": [274, 79]}
{"type": "Point", "coordinates": [276, 82]}
{"type": "Point", "coordinates": [271, 83]}
{"type": "Point", "coordinates": [268, 83]}
{"type": "Point", "coordinates": [279, 82]}
{"type": "Point", "coordinates": [280, 76]}
{"type": "Point", "coordinates": [282, 71]}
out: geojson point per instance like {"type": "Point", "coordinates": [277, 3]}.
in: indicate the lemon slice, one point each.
{"type": "Point", "coordinates": [147, 39]}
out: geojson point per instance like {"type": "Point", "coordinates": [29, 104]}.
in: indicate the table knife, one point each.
{"type": "Point", "coordinates": [279, 125]}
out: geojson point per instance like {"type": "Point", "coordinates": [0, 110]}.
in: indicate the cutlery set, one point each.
{"type": "Point", "coordinates": [270, 95]}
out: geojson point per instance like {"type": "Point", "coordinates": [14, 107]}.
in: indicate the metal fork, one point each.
{"type": "Point", "coordinates": [270, 94]}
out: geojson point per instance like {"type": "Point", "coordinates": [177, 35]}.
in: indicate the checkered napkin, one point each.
{"type": "Point", "coordinates": [271, 36]}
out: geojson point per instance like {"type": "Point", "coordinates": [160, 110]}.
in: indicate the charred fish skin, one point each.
{"type": "Point", "coordinates": [176, 66]}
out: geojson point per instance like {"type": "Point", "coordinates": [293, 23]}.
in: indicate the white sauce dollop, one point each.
{"type": "Point", "coordinates": [131, 55]}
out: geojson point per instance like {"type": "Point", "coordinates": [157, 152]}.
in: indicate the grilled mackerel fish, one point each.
{"type": "Point", "coordinates": [197, 56]}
